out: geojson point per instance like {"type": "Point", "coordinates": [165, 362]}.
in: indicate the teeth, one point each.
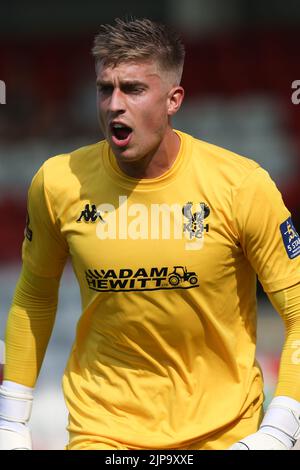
{"type": "Point", "coordinates": [118, 126]}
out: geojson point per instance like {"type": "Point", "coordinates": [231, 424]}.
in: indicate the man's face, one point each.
{"type": "Point", "coordinates": [135, 101]}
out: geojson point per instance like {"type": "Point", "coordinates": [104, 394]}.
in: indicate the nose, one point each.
{"type": "Point", "coordinates": [117, 101]}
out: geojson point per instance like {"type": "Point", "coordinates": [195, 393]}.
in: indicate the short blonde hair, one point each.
{"type": "Point", "coordinates": [140, 39]}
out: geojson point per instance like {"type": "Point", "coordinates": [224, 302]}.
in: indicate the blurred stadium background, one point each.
{"type": "Point", "coordinates": [242, 57]}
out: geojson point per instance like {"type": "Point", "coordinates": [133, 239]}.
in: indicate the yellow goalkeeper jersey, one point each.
{"type": "Point", "coordinates": [164, 352]}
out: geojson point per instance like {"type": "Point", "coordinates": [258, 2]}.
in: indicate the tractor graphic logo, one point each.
{"type": "Point", "coordinates": [180, 274]}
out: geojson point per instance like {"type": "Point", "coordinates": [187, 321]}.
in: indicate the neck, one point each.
{"type": "Point", "coordinates": [156, 163]}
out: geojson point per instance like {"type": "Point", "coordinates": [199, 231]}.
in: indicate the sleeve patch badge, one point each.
{"type": "Point", "coordinates": [291, 239]}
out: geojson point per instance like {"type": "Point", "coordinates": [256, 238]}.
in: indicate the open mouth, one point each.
{"type": "Point", "coordinates": [121, 134]}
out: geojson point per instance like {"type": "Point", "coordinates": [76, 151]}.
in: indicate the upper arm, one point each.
{"type": "Point", "coordinates": [261, 216]}
{"type": "Point", "coordinates": [44, 248]}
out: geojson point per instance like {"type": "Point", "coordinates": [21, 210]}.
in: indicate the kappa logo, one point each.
{"type": "Point", "coordinates": [90, 214]}
{"type": "Point", "coordinates": [155, 278]}
{"type": "Point", "coordinates": [195, 225]}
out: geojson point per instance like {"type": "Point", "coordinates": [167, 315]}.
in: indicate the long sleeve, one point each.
{"type": "Point", "coordinates": [287, 303]}
{"type": "Point", "coordinates": [32, 314]}
{"type": "Point", "coordinates": [29, 326]}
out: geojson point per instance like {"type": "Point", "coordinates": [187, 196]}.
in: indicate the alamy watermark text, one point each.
{"type": "Point", "coordinates": [296, 94]}
{"type": "Point", "coordinates": [2, 92]}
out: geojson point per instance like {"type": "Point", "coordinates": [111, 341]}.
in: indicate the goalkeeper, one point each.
{"type": "Point", "coordinates": [164, 354]}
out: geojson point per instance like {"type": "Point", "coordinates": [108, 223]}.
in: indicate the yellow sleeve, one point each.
{"type": "Point", "coordinates": [45, 250]}
{"type": "Point", "coordinates": [29, 326]}
{"type": "Point", "coordinates": [265, 232]}
{"type": "Point", "coordinates": [31, 317]}
{"type": "Point", "coordinates": [287, 303]}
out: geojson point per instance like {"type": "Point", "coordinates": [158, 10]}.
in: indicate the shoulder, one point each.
{"type": "Point", "coordinates": [227, 157]}
{"type": "Point", "coordinates": [76, 160]}
{"type": "Point", "coordinates": [60, 177]}
{"type": "Point", "coordinates": [70, 169]}
{"type": "Point", "coordinates": [219, 161]}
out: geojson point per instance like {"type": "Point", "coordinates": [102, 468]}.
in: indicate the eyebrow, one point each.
{"type": "Point", "coordinates": [122, 83]}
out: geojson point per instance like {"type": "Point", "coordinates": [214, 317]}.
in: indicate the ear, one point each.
{"type": "Point", "coordinates": [175, 98]}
